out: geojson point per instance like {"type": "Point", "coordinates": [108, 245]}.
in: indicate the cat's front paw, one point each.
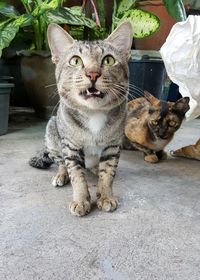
{"type": "Point", "coordinates": [107, 204]}
{"type": "Point", "coordinates": [151, 158]}
{"type": "Point", "coordinates": [81, 208]}
{"type": "Point", "coordinates": [60, 180]}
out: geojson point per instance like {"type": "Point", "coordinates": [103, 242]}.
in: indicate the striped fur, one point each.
{"type": "Point", "coordinates": [87, 131]}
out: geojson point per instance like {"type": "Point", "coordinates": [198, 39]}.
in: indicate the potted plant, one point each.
{"type": "Point", "coordinates": [30, 27]}
{"type": "Point", "coordinates": [169, 12]}
{"type": "Point", "coordinates": [5, 87]}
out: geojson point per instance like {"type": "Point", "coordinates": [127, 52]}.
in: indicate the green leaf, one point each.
{"type": "Point", "coordinates": [144, 23]}
{"type": "Point", "coordinates": [176, 9]}
{"type": "Point", "coordinates": [9, 11]}
{"type": "Point", "coordinates": [76, 10]}
{"type": "Point", "coordinates": [45, 6]}
{"type": "Point", "coordinates": [65, 15]}
{"type": "Point", "coordinates": [9, 31]}
{"type": "Point", "coordinates": [123, 6]}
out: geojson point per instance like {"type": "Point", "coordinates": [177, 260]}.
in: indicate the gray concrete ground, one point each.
{"type": "Point", "coordinates": [154, 234]}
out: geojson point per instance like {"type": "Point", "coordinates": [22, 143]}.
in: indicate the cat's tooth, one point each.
{"type": "Point", "coordinates": [89, 93]}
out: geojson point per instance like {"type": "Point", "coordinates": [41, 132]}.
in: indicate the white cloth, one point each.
{"type": "Point", "coordinates": [181, 56]}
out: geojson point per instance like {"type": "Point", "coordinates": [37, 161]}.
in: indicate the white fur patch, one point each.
{"type": "Point", "coordinates": [92, 155]}
{"type": "Point", "coordinates": [160, 144]}
{"type": "Point", "coordinates": [97, 122]}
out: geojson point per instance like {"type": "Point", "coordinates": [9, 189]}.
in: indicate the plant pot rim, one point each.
{"type": "Point", "coordinates": [151, 3]}
{"type": "Point", "coordinates": [30, 53]}
{"type": "Point", "coordinates": [6, 85]}
{"type": "Point", "coordinates": [6, 78]}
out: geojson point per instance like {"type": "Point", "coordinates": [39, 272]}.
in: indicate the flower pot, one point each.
{"type": "Point", "coordinates": [39, 80]}
{"type": "Point", "coordinates": [5, 88]}
{"type": "Point", "coordinates": [146, 72]}
{"type": "Point", "coordinates": [155, 41]}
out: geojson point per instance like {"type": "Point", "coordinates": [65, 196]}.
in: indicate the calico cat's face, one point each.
{"type": "Point", "coordinates": [93, 74]}
{"type": "Point", "coordinates": [166, 117]}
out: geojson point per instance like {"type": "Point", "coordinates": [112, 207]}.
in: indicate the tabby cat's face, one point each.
{"type": "Point", "coordinates": [93, 74]}
{"type": "Point", "coordinates": [166, 117]}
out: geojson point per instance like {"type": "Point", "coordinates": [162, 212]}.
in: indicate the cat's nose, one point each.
{"type": "Point", "coordinates": [93, 75]}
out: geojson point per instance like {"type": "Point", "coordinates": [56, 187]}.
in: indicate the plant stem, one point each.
{"type": "Point", "coordinates": [96, 14]}
{"type": "Point", "coordinates": [114, 14]}
{"type": "Point", "coordinates": [27, 7]}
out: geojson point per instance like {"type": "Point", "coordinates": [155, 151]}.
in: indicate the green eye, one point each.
{"type": "Point", "coordinates": [108, 60]}
{"type": "Point", "coordinates": [76, 61]}
{"type": "Point", "coordinates": [172, 123]}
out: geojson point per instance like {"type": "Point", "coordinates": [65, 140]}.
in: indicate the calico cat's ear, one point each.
{"type": "Point", "coordinates": [121, 38]}
{"type": "Point", "coordinates": [182, 105]}
{"type": "Point", "coordinates": [152, 99]}
{"type": "Point", "coordinates": [58, 39]}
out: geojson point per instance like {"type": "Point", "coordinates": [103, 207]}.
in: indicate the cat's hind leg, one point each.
{"type": "Point", "coordinates": [53, 144]}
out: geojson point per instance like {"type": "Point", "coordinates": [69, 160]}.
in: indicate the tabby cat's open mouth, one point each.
{"type": "Point", "coordinates": [92, 93]}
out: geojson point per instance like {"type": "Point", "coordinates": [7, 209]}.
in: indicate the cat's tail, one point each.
{"type": "Point", "coordinates": [42, 160]}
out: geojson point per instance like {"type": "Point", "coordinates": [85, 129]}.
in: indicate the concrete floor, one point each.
{"type": "Point", "coordinates": [154, 234]}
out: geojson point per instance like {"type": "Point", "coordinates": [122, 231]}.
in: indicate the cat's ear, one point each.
{"type": "Point", "coordinates": [152, 99]}
{"type": "Point", "coordinates": [121, 38]}
{"type": "Point", "coordinates": [58, 39]}
{"type": "Point", "coordinates": [182, 105]}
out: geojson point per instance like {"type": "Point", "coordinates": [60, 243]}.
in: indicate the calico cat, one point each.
{"type": "Point", "coordinates": [92, 82]}
{"type": "Point", "coordinates": [151, 124]}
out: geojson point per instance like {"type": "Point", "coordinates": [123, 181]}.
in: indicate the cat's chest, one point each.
{"type": "Point", "coordinates": [96, 122]}
{"type": "Point", "coordinates": [159, 144]}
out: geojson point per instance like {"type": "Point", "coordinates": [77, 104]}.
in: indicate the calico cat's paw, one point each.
{"type": "Point", "coordinates": [151, 158]}
{"type": "Point", "coordinates": [80, 208]}
{"type": "Point", "coordinates": [107, 204]}
{"type": "Point", "coordinates": [59, 180]}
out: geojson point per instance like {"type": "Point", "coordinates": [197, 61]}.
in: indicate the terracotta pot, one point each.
{"type": "Point", "coordinates": [155, 41]}
{"type": "Point", "coordinates": [38, 76]}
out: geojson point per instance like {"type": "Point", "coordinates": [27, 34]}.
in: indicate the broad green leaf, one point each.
{"type": "Point", "coordinates": [4, 23]}
{"type": "Point", "coordinates": [144, 23]}
{"type": "Point", "coordinates": [123, 6]}
{"type": "Point", "coordinates": [176, 9]}
{"type": "Point", "coordinates": [2, 4]}
{"type": "Point", "coordinates": [9, 11]}
{"type": "Point", "coordinates": [65, 15]}
{"type": "Point", "coordinates": [45, 7]}
{"type": "Point", "coordinates": [7, 35]}
{"type": "Point", "coordinates": [9, 31]}
{"type": "Point", "coordinates": [76, 10]}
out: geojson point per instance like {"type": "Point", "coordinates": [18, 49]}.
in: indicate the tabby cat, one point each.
{"type": "Point", "coordinates": [151, 124]}
{"type": "Point", "coordinates": [92, 82]}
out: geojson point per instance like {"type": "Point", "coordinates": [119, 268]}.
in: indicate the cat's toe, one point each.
{"type": "Point", "coordinates": [59, 180]}
{"type": "Point", "coordinates": [107, 204]}
{"type": "Point", "coordinates": [80, 208]}
{"type": "Point", "coordinates": [151, 158]}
